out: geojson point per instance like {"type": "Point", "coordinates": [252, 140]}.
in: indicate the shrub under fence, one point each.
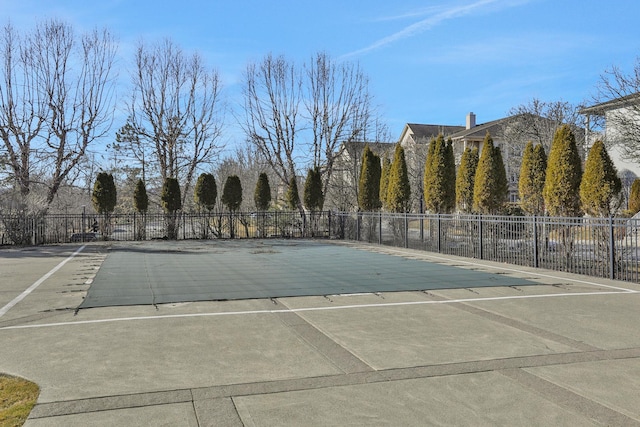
{"type": "Point", "coordinates": [600, 247]}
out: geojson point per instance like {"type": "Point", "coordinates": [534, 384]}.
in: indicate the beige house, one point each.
{"type": "Point", "coordinates": [342, 192]}
{"type": "Point", "coordinates": [415, 139]}
{"type": "Point", "coordinates": [473, 137]}
{"type": "Point", "coordinates": [510, 134]}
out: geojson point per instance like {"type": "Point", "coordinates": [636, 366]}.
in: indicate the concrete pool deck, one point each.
{"type": "Point", "coordinates": [563, 351]}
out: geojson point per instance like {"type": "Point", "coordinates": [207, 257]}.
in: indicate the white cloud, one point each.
{"type": "Point", "coordinates": [438, 15]}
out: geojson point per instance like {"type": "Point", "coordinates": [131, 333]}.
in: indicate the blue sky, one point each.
{"type": "Point", "coordinates": [428, 61]}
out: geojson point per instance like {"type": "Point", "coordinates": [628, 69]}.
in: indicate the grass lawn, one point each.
{"type": "Point", "coordinates": [17, 398]}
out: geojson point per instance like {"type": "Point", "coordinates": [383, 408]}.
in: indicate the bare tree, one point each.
{"type": "Point", "coordinates": [322, 104]}
{"type": "Point", "coordinates": [272, 98]}
{"type": "Point", "coordinates": [338, 105]}
{"type": "Point", "coordinates": [56, 98]}
{"type": "Point", "coordinates": [537, 121]}
{"type": "Point", "coordinates": [176, 107]}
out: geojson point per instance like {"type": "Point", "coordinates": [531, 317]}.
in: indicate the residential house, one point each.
{"type": "Point", "coordinates": [510, 134]}
{"type": "Point", "coordinates": [616, 123]}
{"type": "Point", "coordinates": [415, 140]}
{"type": "Point", "coordinates": [473, 137]}
{"type": "Point", "coordinates": [342, 192]}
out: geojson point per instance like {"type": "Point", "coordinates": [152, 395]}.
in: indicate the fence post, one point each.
{"type": "Point", "coordinates": [84, 225]}
{"type": "Point", "coordinates": [305, 232]}
{"type": "Point", "coordinates": [329, 220]}
{"type": "Point", "coordinates": [33, 230]}
{"type": "Point", "coordinates": [439, 229]}
{"type": "Point", "coordinates": [358, 226]}
{"type": "Point", "coordinates": [612, 248]}
{"type": "Point", "coordinates": [379, 227]}
{"type": "Point", "coordinates": [536, 262]}
{"type": "Point", "coordinates": [480, 237]}
{"type": "Point", "coordinates": [406, 230]}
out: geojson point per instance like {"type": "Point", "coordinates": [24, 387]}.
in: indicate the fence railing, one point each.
{"type": "Point", "coordinates": [600, 247]}
{"type": "Point", "coordinates": [53, 228]}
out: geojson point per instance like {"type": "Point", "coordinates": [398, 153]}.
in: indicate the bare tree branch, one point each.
{"type": "Point", "coordinates": [57, 98]}
{"type": "Point", "coordinates": [298, 117]}
{"type": "Point", "coordinates": [272, 97]}
{"type": "Point", "coordinates": [176, 106]}
{"type": "Point", "coordinates": [338, 105]}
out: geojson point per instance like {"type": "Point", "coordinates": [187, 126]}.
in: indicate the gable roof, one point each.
{"type": "Point", "coordinates": [355, 148]}
{"type": "Point", "coordinates": [479, 131]}
{"type": "Point", "coordinates": [603, 107]}
{"type": "Point", "coordinates": [423, 131]}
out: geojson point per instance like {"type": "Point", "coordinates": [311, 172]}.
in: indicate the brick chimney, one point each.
{"type": "Point", "coordinates": [471, 120]}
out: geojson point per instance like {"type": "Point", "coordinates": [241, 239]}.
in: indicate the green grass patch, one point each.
{"type": "Point", "coordinates": [17, 398]}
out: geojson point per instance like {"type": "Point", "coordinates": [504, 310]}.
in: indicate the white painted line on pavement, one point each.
{"type": "Point", "coordinates": [31, 288]}
{"type": "Point", "coordinates": [298, 310]}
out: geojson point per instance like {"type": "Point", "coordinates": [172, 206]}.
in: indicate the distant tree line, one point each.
{"type": "Point", "coordinates": [58, 99]}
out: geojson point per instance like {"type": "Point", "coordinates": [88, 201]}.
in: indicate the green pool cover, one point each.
{"type": "Point", "coordinates": [169, 272]}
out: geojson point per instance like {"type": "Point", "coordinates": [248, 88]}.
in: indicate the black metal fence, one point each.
{"type": "Point", "coordinates": [52, 228]}
{"type": "Point", "coordinates": [600, 247]}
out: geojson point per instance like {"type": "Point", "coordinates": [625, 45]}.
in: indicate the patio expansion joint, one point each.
{"type": "Point", "coordinates": [511, 367]}
{"type": "Point", "coordinates": [337, 355]}
{"type": "Point", "coordinates": [539, 332]}
{"type": "Point", "coordinates": [569, 399]}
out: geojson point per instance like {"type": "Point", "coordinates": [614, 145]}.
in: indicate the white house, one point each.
{"type": "Point", "coordinates": [621, 117]}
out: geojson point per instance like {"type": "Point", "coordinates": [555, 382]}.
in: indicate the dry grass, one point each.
{"type": "Point", "coordinates": [17, 398]}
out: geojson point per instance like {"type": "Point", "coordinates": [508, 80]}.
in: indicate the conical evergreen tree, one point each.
{"type": "Point", "coordinates": [262, 193]}
{"type": "Point", "coordinates": [205, 192]}
{"type": "Point", "coordinates": [490, 186]}
{"type": "Point", "coordinates": [171, 201]}
{"type": "Point", "coordinates": [428, 179]}
{"type": "Point", "coordinates": [140, 197]}
{"type": "Point", "coordinates": [634, 197]}
{"type": "Point", "coordinates": [450, 179]}
{"type": "Point", "coordinates": [564, 173]}
{"type": "Point", "coordinates": [399, 190]}
{"type": "Point", "coordinates": [369, 182]}
{"type": "Point", "coordinates": [501, 173]}
{"type": "Point", "coordinates": [170, 197]}
{"type": "Point", "coordinates": [293, 197]}
{"type": "Point", "coordinates": [232, 193]}
{"type": "Point", "coordinates": [600, 187]}
{"type": "Point", "coordinates": [104, 196]}
{"type": "Point", "coordinates": [439, 177]}
{"type": "Point", "coordinates": [313, 197]}
{"type": "Point", "coordinates": [465, 180]}
{"type": "Point", "coordinates": [532, 175]}
{"type": "Point", "coordinates": [384, 181]}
